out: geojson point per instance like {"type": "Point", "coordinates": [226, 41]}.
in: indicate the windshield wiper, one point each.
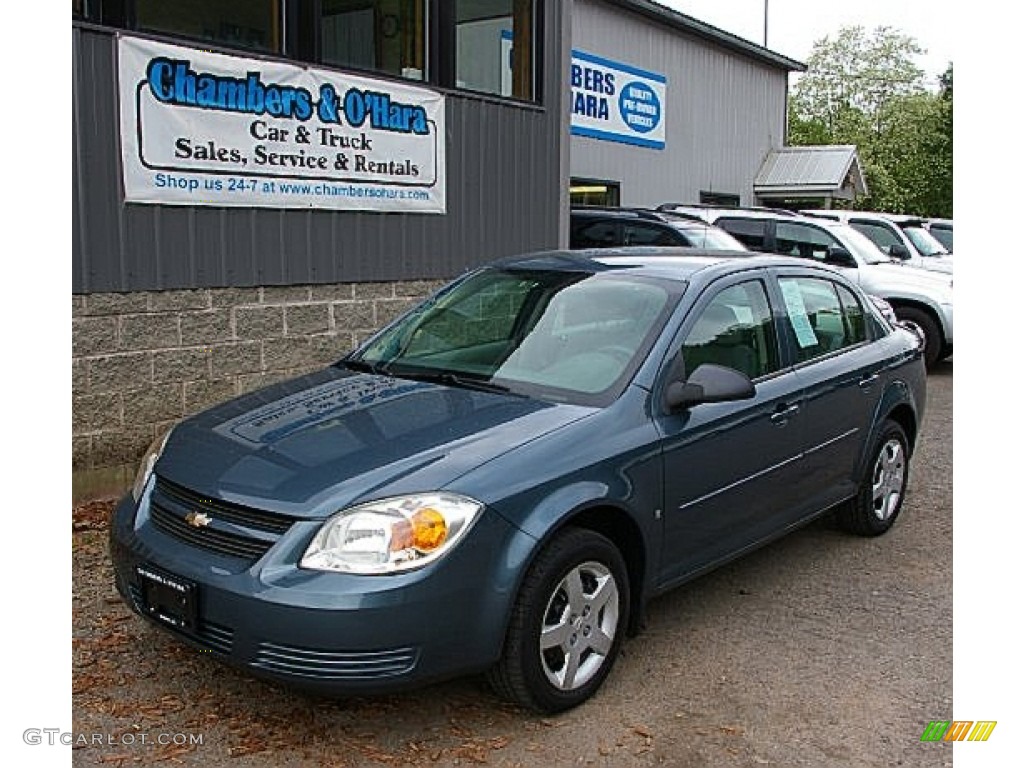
{"type": "Point", "coordinates": [378, 368]}
{"type": "Point", "coordinates": [454, 380]}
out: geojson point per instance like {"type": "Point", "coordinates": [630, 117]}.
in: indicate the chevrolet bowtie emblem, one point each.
{"type": "Point", "coordinates": [198, 519]}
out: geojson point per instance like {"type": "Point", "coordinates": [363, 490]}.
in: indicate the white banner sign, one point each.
{"type": "Point", "coordinates": [203, 128]}
{"type": "Point", "coordinates": [617, 102]}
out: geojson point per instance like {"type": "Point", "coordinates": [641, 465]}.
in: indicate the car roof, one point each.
{"type": "Point", "coordinates": [896, 218]}
{"type": "Point", "coordinates": [667, 263]}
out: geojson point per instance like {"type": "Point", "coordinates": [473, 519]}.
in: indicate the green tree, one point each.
{"type": "Point", "coordinates": [866, 90]}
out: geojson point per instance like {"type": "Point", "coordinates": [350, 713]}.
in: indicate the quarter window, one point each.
{"type": "Point", "coordinates": [853, 313]}
{"type": "Point", "coordinates": [735, 329]}
{"type": "Point", "coordinates": [818, 323]}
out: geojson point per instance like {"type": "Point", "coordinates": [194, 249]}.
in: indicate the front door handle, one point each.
{"type": "Point", "coordinates": [784, 413]}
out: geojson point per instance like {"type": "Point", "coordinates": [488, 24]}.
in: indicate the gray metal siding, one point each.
{"type": "Point", "coordinates": [504, 182]}
{"type": "Point", "coordinates": [725, 111]}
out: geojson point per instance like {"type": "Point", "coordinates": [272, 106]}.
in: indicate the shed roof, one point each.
{"type": "Point", "coordinates": [832, 170]}
{"type": "Point", "coordinates": [681, 21]}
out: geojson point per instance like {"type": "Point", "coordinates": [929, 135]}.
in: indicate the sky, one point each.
{"type": "Point", "coordinates": [795, 25]}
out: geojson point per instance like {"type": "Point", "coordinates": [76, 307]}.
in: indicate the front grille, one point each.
{"type": "Point", "coordinates": [335, 665]}
{"type": "Point", "coordinates": [234, 530]}
{"type": "Point", "coordinates": [213, 636]}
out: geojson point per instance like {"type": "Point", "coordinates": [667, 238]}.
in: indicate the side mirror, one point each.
{"type": "Point", "coordinates": [709, 383]}
{"type": "Point", "coordinates": [899, 251]}
{"type": "Point", "coordinates": [840, 257]}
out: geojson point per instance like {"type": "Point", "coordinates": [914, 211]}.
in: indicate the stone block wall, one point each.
{"type": "Point", "coordinates": [142, 361]}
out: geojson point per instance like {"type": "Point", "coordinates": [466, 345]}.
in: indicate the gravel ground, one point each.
{"type": "Point", "coordinates": [822, 649]}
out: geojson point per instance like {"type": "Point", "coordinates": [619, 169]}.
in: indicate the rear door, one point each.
{"type": "Point", "coordinates": [841, 368]}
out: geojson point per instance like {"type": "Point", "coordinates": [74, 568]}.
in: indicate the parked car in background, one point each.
{"type": "Point", "coordinates": [941, 230]}
{"type": "Point", "coordinates": [921, 298]}
{"type": "Point", "coordinates": [502, 478]}
{"type": "Point", "coordinates": [902, 237]}
{"type": "Point", "coordinates": [594, 227]}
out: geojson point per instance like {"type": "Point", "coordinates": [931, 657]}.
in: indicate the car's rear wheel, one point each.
{"type": "Point", "coordinates": [929, 330]}
{"type": "Point", "coordinates": [880, 499]}
{"type": "Point", "coordinates": [567, 624]}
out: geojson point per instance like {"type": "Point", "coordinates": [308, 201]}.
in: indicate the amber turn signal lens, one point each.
{"type": "Point", "coordinates": [429, 530]}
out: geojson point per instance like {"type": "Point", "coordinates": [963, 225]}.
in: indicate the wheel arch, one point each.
{"type": "Point", "coordinates": [621, 527]}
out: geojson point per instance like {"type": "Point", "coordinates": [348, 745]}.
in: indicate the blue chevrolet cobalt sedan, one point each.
{"type": "Point", "coordinates": [502, 478]}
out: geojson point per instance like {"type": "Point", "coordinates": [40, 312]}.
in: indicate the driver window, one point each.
{"type": "Point", "coordinates": [735, 329]}
{"type": "Point", "coordinates": [803, 240]}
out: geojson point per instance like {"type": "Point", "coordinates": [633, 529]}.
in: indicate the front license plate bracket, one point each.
{"type": "Point", "coordinates": [167, 598]}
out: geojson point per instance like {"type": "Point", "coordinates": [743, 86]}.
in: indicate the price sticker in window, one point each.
{"type": "Point", "coordinates": [797, 313]}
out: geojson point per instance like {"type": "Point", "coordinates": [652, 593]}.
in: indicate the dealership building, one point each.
{"type": "Point", "coordinates": [258, 185]}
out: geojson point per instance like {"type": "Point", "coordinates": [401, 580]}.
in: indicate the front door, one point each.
{"type": "Point", "coordinates": [731, 469]}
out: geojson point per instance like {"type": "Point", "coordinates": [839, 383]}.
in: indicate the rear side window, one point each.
{"type": "Point", "coordinates": [818, 321]}
{"type": "Point", "coordinates": [596, 234]}
{"type": "Point", "coordinates": [648, 234]}
{"type": "Point", "coordinates": [753, 233]}
{"type": "Point", "coordinates": [735, 329]}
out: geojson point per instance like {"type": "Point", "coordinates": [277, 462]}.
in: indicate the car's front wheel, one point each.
{"type": "Point", "coordinates": [567, 624]}
{"type": "Point", "coordinates": [880, 499]}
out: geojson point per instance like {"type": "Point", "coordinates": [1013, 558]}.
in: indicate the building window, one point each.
{"type": "Point", "coordinates": [591, 192]}
{"type": "Point", "coordinates": [722, 199]}
{"type": "Point", "coordinates": [379, 35]}
{"type": "Point", "coordinates": [250, 24]}
{"type": "Point", "coordinates": [494, 47]}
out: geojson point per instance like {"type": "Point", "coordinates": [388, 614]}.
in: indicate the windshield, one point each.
{"type": "Point", "coordinates": [711, 237]}
{"type": "Point", "coordinates": [559, 335]}
{"type": "Point", "coordinates": [925, 242]}
{"type": "Point", "coordinates": [860, 245]}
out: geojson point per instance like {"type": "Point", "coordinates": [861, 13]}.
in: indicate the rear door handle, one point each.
{"type": "Point", "coordinates": [784, 413]}
{"type": "Point", "coordinates": [867, 381]}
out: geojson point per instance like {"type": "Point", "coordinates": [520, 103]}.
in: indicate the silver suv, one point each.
{"type": "Point", "coordinates": [920, 298]}
{"type": "Point", "coordinates": [902, 237]}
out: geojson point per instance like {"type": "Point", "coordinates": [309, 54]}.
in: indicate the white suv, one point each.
{"type": "Point", "coordinates": [902, 237]}
{"type": "Point", "coordinates": [920, 298]}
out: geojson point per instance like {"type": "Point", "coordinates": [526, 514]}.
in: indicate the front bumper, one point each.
{"type": "Point", "coordinates": [327, 632]}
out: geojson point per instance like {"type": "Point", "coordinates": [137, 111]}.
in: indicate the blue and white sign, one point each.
{"type": "Point", "coordinates": [617, 102]}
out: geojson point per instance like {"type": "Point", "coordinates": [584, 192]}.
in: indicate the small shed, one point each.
{"type": "Point", "coordinates": [817, 173]}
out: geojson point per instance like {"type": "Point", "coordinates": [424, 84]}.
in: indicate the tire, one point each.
{"type": "Point", "coordinates": [567, 624]}
{"type": "Point", "coordinates": [878, 502]}
{"type": "Point", "coordinates": [929, 328]}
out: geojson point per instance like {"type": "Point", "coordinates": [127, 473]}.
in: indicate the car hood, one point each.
{"type": "Point", "coordinates": [312, 445]}
{"type": "Point", "coordinates": [942, 264]}
{"type": "Point", "coordinates": [902, 276]}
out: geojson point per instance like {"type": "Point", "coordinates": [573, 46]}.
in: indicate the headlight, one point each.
{"type": "Point", "coordinates": [148, 462]}
{"type": "Point", "coordinates": [391, 535]}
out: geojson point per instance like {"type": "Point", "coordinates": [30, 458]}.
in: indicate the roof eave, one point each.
{"type": "Point", "coordinates": [706, 31]}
